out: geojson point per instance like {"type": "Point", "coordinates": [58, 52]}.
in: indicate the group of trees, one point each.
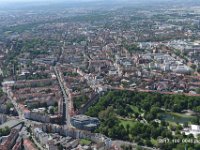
{"type": "Point", "coordinates": [78, 39]}
{"type": "Point", "coordinates": [138, 132]}
{"type": "Point", "coordinates": [71, 74]}
{"type": "Point", "coordinates": [1, 92]}
{"type": "Point", "coordinates": [79, 101]}
{"type": "Point", "coordinates": [9, 105]}
{"type": "Point", "coordinates": [115, 105]}
{"type": "Point", "coordinates": [198, 91]}
{"type": "Point", "coordinates": [133, 48]}
{"type": "Point", "coordinates": [1, 80]}
{"type": "Point", "coordinates": [121, 101]}
{"type": "Point", "coordinates": [4, 131]}
{"type": "Point", "coordinates": [198, 70]}
{"type": "Point", "coordinates": [37, 76]}
{"type": "Point", "coordinates": [53, 110]}
{"type": "Point", "coordinates": [11, 56]}
{"type": "Point", "coordinates": [110, 125]}
{"type": "Point", "coordinates": [36, 47]}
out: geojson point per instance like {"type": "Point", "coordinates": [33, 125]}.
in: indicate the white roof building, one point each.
{"type": "Point", "coordinates": [193, 129]}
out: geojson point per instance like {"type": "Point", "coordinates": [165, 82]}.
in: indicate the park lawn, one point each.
{"type": "Point", "coordinates": [125, 122]}
{"type": "Point", "coordinates": [135, 109]}
{"type": "Point", "coordinates": [154, 142]}
{"type": "Point", "coordinates": [181, 115]}
{"type": "Point", "coordinates": [85, 142]}
{"type": "Point", "coordinates": [172, 123]}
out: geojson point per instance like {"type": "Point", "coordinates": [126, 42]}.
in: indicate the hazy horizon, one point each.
{"type": "Point", "coordinates": [26, 1]}
{"type": "Point", "coordinates": [51, 4]}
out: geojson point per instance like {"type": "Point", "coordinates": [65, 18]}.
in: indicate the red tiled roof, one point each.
{"type": "Point", "coordinates": [29, 145]}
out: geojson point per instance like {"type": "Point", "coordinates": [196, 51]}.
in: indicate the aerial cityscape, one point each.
{"type": "Point", "coordinates": [100, 75]}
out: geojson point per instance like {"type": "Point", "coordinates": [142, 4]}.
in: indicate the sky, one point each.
{"type": "Point", "coordinates": [39, 0]}
{"type": "Point", "coordinates": [18, 0]}
{"type": "Point", "coordinates": [27, 1]}
{"type": "Point", "coordinates": [10, 1]}
{"type": "Point", "coordinates": [2, 2]}
{"type": "Point", "coordinates": [15, 3]}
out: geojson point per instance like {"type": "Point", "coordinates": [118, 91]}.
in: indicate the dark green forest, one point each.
{"type": "Point", "coordinates": [131, 116]}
